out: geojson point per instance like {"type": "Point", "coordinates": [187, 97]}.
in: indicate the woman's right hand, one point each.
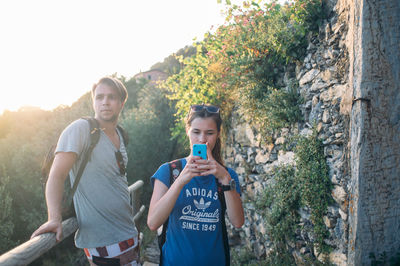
{"type": "Point", "coordinates": [190, 170]}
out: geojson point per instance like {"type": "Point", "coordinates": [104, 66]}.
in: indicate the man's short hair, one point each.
{"type": "Point", "coordinates": [114, 83]}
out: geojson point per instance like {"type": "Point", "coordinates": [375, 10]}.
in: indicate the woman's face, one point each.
{"type": "Point", "coordinates": [203, 130]}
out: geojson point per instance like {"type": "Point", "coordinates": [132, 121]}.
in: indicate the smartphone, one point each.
{"type": "Point", "coordinates": [200, 150]}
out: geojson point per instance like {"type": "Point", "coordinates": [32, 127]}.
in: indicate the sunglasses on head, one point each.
{"type": "Point", "coordinates": [200, 107]}
{"type": "Point", "coordinates": [120, 162]}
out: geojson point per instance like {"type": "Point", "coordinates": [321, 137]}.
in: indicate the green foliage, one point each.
{"type": "Point", "coordinates": [306, 185]}
{"type": "Point", "coordinates": [281, 201]}
{"type": "Point", "coordinates": [272, 109]}
{"type": "Point", "coordinates": [172, 64]}
{"type": "Point", "coordinates": [134, 88]}
{"type": "Point", "coordinates": [26, 136]}
{"type": "Point", "coordinates": [244, 257]}
{"type": "Point", "coordinates": [193, 85]}
{"type": "Point", "coordinates": [6, 224]}
{"type": "Point", "coordinates": [242, 61]}
{"type": "Point", "coordinates": [150, 143]}
{"type": "Point", "coordinates": [23, 144]}
{"type": "Point", "coordinates": [313, 174]}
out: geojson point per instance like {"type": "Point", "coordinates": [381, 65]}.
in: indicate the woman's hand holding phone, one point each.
{"type": "Point", "coordinates": [210, 166]}
{"type": "Point", "coordinates": [202, 163]}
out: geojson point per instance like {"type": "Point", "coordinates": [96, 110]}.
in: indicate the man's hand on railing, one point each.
{"type": "Point", "coordinates": [33, 249]}
{"type": "Point", "coordinates": [54, 226]}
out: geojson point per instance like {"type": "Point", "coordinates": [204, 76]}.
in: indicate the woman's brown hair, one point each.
{"type": "Point", "coordinates": [217, 150]}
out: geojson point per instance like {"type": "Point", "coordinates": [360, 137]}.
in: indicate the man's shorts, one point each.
{"type": "Point", "coordinates": [126, 251]}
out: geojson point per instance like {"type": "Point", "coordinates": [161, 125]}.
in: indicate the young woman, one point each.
{"type": "Point", "coordinates": [192, 203]}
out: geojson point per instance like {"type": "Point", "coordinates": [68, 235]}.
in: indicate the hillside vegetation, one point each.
{"type": "Point", "coordinates": [240, 65]}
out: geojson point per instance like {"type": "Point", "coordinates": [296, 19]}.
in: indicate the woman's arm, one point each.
{"type": "Point", "coordinates": [163, 199]}
{"type": "Point", "coordinates": [233, 205]}
{"type": "Point", "coordinates": [162, 202]}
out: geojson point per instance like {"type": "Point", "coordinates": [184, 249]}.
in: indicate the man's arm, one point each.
{"type": "Point", "coordinates": [63, 162]}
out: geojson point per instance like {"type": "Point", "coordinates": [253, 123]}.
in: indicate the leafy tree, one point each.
{"type": "Point", "coordinates": [150, 142]}
{"type": "Point", "coordinates": [243, 60]}
{"type": "Point", "coordinates": [6, 224]}
{"type": "Point", "coordinates": [29, 134]}
{"type": "Point", "coordinates": [172, 64]}
{"type": "Point", "coordinates": [134, 87]}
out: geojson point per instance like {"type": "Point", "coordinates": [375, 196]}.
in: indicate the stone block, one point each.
{"type": "Point", "coordinates": [239, 158]}
{"type": "Point", "coordinates": [329, 222]}
{"type": "Point", "coordinates": [286, 158]}
{"type": "Point", "coordinates": [343, 215]}
{"type": "Point", "coordinates": [240, 170]}
{"type": "Point", "coordinates": [338, 259]}
{"type": "Point", "coordinates": [309, 76]}
{"type": "Point", "coordinates": [261, 158]}
{"type": "Point", "coordinates": [280, 140]}
{"type": "Point", "coordinates": [326, 117]}
{"type": "Point", "coordinates": [339, 194]}
{"type": "Point", "coordinates": [316, 86]}
{"type": "Point", "coordinates": [242, 134]}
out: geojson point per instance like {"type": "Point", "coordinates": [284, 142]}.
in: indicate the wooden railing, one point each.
{"type": "Point", "coordinates": [37, 246]}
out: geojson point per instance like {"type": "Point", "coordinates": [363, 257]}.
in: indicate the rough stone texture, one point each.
{"type": "Point", "coordinates": [375, 132]}
{"type": "Point", "coordinates": [350, 73]}
{"type": "Point", "coordinates": [324, 84]}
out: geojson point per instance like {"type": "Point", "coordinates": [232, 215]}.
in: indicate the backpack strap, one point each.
{"type": "Point", "coordinates": [124, 134]}
{"type": "Point", "coordinates": [175, 168]}
{"type": "Point", "coordinates": [94, 132]}
{"type": "Point", "coordinates": [221, 198]}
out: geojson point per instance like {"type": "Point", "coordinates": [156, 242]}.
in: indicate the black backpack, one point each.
{"type": "Point", "coordinates": [175, 168]}
{"type": "Point", "coordinates": [69, 191]}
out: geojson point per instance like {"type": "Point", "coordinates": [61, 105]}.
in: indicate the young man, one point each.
{"type": "Point", "coordinates": [102, 200]}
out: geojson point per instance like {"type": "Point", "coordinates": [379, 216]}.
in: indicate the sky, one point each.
{"type": "Point", "coordinates": [53, 51]}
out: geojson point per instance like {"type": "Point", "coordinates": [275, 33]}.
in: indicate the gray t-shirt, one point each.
{"type": "Point", "coordinates": [102, 200]}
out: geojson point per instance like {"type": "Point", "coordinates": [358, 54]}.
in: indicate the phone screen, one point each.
{"type": "Point", "coordinates": [200, 150]}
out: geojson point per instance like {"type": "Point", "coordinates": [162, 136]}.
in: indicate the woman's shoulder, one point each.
{"type": "Point", "coordinates": [178, 163]}
{"type": "Point", "coordinates": [163, 172]}
{"type": "Point", "coordinates": [230, 170]}
{"type": "Point", "coordinates": [232, 173]}
{"type": "Point", "coordinates": [181, 161]}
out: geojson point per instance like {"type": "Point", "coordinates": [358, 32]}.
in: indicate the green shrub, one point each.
{"type": "Point", "coordinates": [313, 174]}
{"type": "Point", "coordinates": [281, 202]}
{"type": "Point", "coordinates": [305, 185]}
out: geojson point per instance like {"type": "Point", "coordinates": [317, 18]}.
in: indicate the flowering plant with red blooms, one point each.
{"type": "Point", "coordinates": [240, 62]}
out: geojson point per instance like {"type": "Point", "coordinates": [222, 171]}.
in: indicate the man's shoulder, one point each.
{"type": "Point", "coordinates": [78, 124]}
{"type": "Point", "coordinates": [76, 130]}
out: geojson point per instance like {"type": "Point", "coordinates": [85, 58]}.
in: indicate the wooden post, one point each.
{"type": "Point", "coordinates": [134, 191]}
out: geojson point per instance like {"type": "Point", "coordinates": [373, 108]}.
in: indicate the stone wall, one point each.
{"type": "Point", "coordinates": [375, 132]}
{"type": "Point", "coordinates": [350, 82]}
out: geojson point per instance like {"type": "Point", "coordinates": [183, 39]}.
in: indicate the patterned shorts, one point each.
{"type": "Point", "coordinates": [127, 251]}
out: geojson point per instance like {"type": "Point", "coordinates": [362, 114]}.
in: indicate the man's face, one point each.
{"type": "Point", "coordinates": [107, 103]}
